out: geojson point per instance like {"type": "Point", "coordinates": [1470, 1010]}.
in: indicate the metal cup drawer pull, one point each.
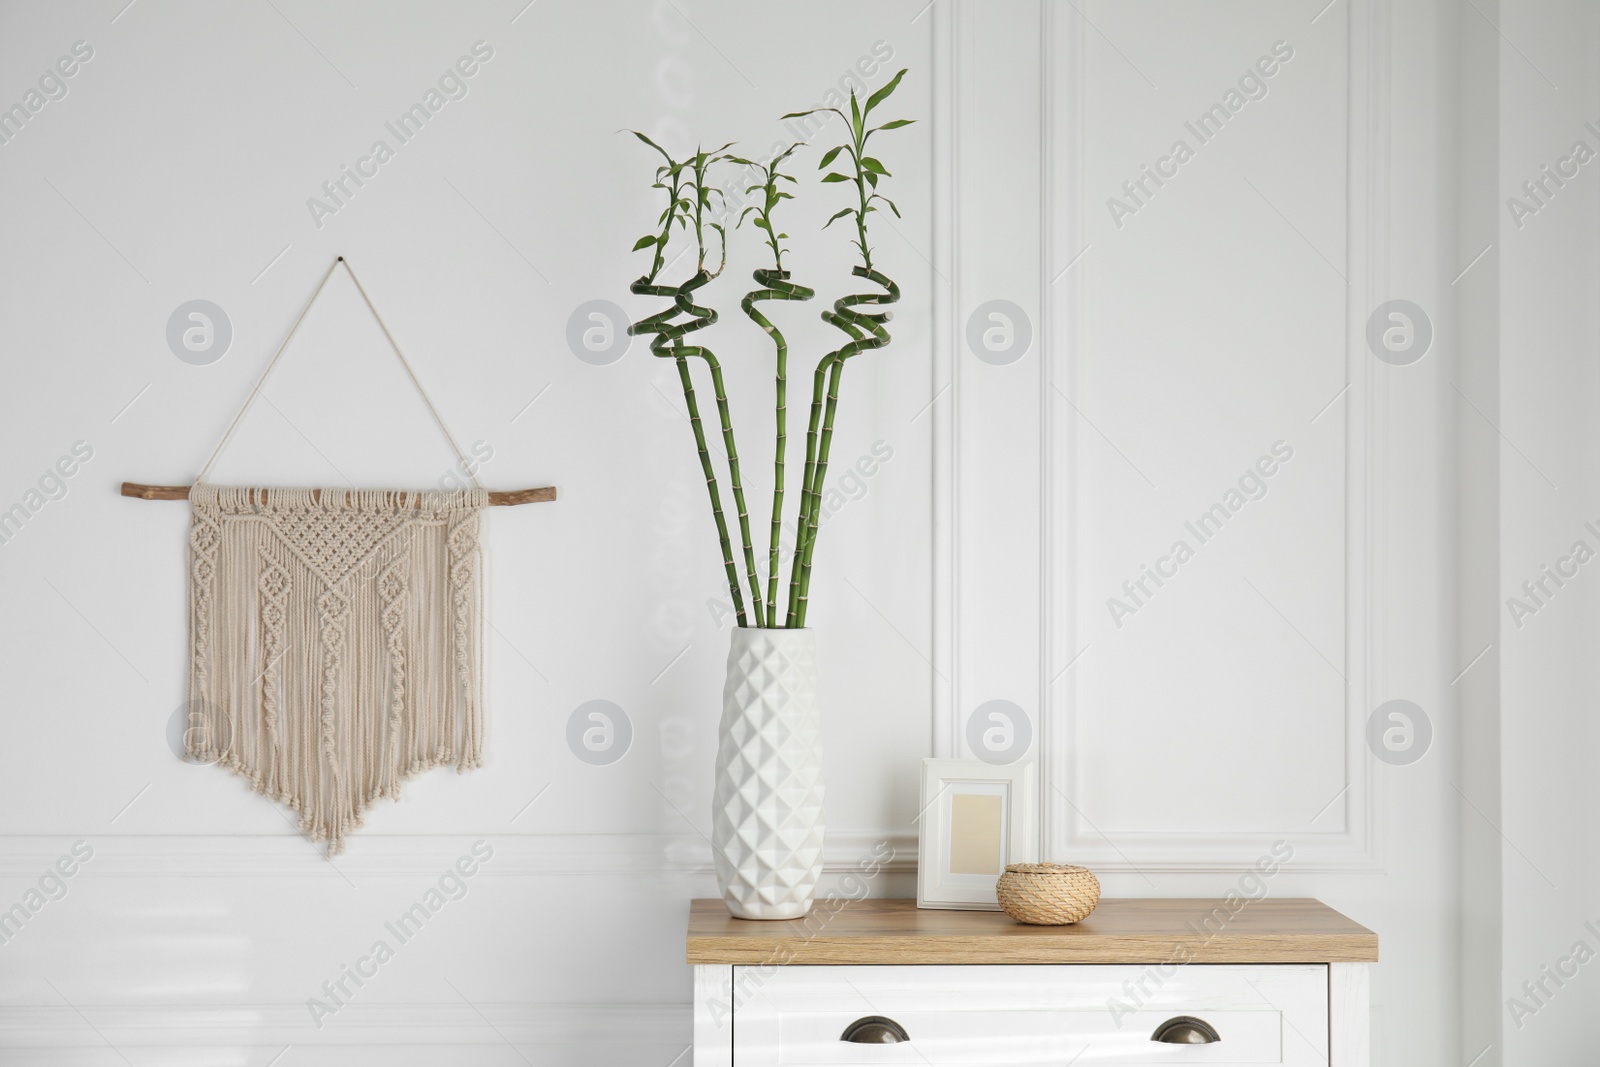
{"type": "Point", "coordinates": [875, 1030]}
{"type": "Point", "coordinates": [1186, 1030]}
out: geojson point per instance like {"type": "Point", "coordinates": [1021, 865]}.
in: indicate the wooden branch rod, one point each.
{"type": "Point", "coordinates": [508, 498]}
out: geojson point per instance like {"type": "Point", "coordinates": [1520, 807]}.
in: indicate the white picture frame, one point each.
{"type": "Point", "coordinates": [976, 817]}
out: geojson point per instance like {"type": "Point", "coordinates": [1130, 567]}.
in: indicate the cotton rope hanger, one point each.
{"type": "Point", "coordinates": [505, 498]}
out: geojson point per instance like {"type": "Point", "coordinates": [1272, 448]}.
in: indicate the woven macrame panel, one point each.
{"type": "Point", "coordinates": [335, 642]}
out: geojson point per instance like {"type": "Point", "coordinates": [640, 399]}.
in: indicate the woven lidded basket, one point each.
{"type": "Point", "coordinates": [1047, 894]}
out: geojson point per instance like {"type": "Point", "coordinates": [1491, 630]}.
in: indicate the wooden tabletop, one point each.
{"type": "Point", "coordinates": [1119, 931]}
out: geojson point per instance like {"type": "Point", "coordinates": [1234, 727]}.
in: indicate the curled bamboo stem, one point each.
{"type": "Point", "coordinates": [668, 343]}
{"type": "Point", "coordinates": [867, 331]}
{"type": "Point", "coordinates": [684, 179]}
{"type": "Point", "coordinates": [775, 285]}
{"type": "Point", "coordinates": [703, 317]}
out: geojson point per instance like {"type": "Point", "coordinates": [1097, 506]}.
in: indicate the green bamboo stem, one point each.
{"type": "Point", "coordinates": [865, 329]}
{"type": "Point", "coordinates": [705, 317]}
{"type": "Point", "coordinates": [867, 332]}
{"type": "Point", "coordinates": [819, 381]}
{"type": "Point", "coordinates": [738, 488]}
{"type": "Point", "coordinates": [776, 286]}
{"type": "Point", "coordinates": [711, 487]}
{"type": "Point", "coordinates": [814, 514]}
{"type": "Point", "coordinates": [779, 446]}
{"type": "Point", "coordinates": [668, 343]}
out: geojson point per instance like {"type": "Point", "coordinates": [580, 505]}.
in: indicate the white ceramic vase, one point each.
{"type": "Point", "coordinates": [766, 811]}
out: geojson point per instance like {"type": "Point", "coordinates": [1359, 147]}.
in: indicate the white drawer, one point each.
{"type": "Point", "coordinates": [1012, 1015]}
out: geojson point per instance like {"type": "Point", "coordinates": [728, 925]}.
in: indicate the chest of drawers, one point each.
{"type": "Point", "coordinates": [1139, 982]}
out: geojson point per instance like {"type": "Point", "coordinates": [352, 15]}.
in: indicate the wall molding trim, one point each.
{"type": "Point", "coordinates": [946, 667]}
{"type": "Point", "coordinates": [1065, 830]}
{"type": "Point", "coordinates": [441, 1023]}
{"type": "Point", "coordinates": [420, 855]}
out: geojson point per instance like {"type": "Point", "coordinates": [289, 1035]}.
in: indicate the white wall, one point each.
{"type": "Point", "coordinates": [178, 167]}
{"type": "Point", "coordinates": [1226, 313]}
{"type": "Point", "coordinates": [1474, 140]}
{"type": "Point", "coordinates": [1170, 352]}
{"type": "Point", "coordinates": [1548, 440]}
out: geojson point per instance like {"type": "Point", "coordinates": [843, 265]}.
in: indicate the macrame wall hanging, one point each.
{"type": "Point", "coordinates": [334, 634]}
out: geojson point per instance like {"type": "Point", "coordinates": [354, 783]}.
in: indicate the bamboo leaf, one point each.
{"type": "Point", "coordinates": [874, 166]}
{"type": "Point", "coordinates": [772, 164]}
{"type": "Point", "coordinates": [837, 177]}
{"type": "Point", "coordinates": [651, 143]}
{"type": "Point", "coordinates": [829, 156]}
{"type": "Point", "coordinates": [895, 125]}
{"type": "Point", "coordinates": [812, 111]}
{"type": "Point", "coordinates": [837, 215]}
{"type": "Point", "coordinates": [644, 242]}
{"type": "Point", "coordinates": [878, 97]}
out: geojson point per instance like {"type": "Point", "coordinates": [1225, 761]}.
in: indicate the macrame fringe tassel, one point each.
{"type": "Point", "coordinates": [336, 643]}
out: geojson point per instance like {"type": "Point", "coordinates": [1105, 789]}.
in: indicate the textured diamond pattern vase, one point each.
{"type": "Point", "coordinates": [766, 812]}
